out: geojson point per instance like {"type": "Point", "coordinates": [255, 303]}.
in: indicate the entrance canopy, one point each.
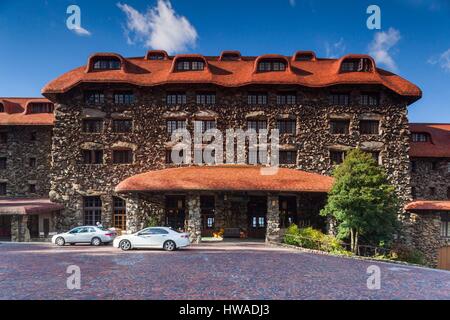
{"type": "Point", "coordinates": [17, 206]}
{"type": "Point", "coordinates": [428, 206]}
{"type": "Point", "coordinates": [227, 178]}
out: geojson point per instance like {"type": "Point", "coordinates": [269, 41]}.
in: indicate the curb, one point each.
{"type": "Point", "coordinates": [284, 245]}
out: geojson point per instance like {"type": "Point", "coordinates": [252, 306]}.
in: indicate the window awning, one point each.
{"type": "Point", "coordinates": [18, 206]}
{"type": "Point", "coordinates": [226, 178]}
{"type": "Point", "coordinates": [424, 205]}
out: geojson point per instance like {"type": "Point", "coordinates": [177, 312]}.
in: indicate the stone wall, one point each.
{"type": "Point", "coordinates": [71, 180]}
{"type": "Point", "coordinates": [18, 150]}
{"type": "Point", "coordinates": [425, 177]}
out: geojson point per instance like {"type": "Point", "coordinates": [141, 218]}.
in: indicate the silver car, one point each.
{"type": "Point", "coordinates": [85, 234]}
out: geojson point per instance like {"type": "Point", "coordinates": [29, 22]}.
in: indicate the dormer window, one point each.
{"type": "Point", "coordinates": [305, 56]}
{"type": "Point", "coordinates": [40, 108]}
{"type": "Point", "coordinates": [2, 107]}
{"type": "Point", "coordinates": [230, 56]}
{"type": "Point", "coordinates": [106, 64]}
{"type": "Point", "coordinates": [356, 65]}
{"type": "Point", "coordinates": [156, 55]}
{"type": "Point", "coordinates": [190, 65]}
{"type": "Point", "coordinates": [271, 65]}
{"type": "Point", "coordinates": [420, 137]}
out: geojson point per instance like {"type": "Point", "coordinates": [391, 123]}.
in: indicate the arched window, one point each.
{"type": "Point", "coordinates": [230, 56]}
{"type": "Point", "coordinates": [156, 55]}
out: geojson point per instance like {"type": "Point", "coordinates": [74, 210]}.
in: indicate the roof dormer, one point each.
{"type": "Point", "coordinates": [304, 56]}
{"type": "Point", "coordinates": [38, 107]}
{"type": "Point", "coordinates": [156, 55]}
{"type": "Point", "coordinates": [189, 62]}
{"type": "Point", "coordinates": [356, 63]}
{"type": "Point", "coordinates": [105, 61]}
{"type": "Point", "coordinates": [271, 62]}
{"type": "Point", "coordinates": [2, 107]}
{"type": "Point", "coordinates": [230, 55]}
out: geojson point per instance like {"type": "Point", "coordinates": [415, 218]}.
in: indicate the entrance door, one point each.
{"type": "Point", "coordinates": [207, 206]}
{"type": "Point", "coordinates": [46, 224]}
{"type": "Point", "coordinates": [444, 258]}
{"type": "Point", "coordinates": [33, 225]}
{"type": "Point", "coordinates": [5, 228]}
{"type": "Point", "coordinates": [175, 212]}
{"type": "Point", "coordinates": [256, 213]}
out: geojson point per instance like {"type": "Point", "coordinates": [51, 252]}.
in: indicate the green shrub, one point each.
{"type": "Point", "coordinates": [312, 239]}
{"type": "Point", "coordinates": [404, 253]}
{"type": "Point", "coordinates": [152, 221]}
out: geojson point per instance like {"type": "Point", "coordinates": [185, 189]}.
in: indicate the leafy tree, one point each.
{"type": "Point", "coordinates": [362, 202]}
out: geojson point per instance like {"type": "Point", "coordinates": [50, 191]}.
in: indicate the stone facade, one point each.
{"type": "Point", "coordinates": [430, 178]}
{"type": "Point", "coordinates": [25, 143]}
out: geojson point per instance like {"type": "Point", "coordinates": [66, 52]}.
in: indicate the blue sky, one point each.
{"type": "Point", "coordinates": [414, 39]}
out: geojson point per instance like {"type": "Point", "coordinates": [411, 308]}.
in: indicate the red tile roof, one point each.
{"type": "Point", "coordinates": [27, 206]}
{"type": "Point", "coordinates": [240, 72]}
{"type": "Point", "coordinates": [439, 146]}
{"type": "Point", "coordinates": [226, 178]}
{"type": "Point", "coordinates": [16, 112]}
{"type": "Point", "coordinates": [428, 205]}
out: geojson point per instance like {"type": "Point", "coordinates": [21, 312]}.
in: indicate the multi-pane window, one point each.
{"type": "Point", "coordinates": [176, 98]}
{"type": "Point", "coordinates": [2, 163]}
{"type": "Point", "coordinates": [370, 99]}
{"type": "Point", "coordinates": [122, 156]}
{"type": "Point", "coordinates": [119, 213]}
{"type": "Point", "coordinates": [288, 157]}
{"type": "Point", "coordinates": [106, 64]}
{"type": "Point", "coordinates": [360, 65]}
{"type": "Point", "coordinates": [337, 156]}
{"type": "Point", "coordinates": [257, 98]}
{"type": "Point", "coordinates": [256, 125]}
{"type": "Point", "coordinates": [169, 159]}
{"type": "Point", "coordinates": [287, 126]}
{"type": "Point", "coordinates": [206, 98]}
{"type": "Point", "coordinates": [2, 188]}
{"type": "Point", "coordinates": [156, 56]}
{"type": "Point", "coordinates": [340, 99]}
{"type": "Point", "coordinates": [32, 162]}
{"type": "Point", "coordinates": [32, 188]}
{"type": "Point", "coordinates": [40, 108]}
{"type": "Point", "coordinates": [122, 125]}
{"type": "Point", "coordinates": [92, 207]}
{"type": "Point", "coordinates": [257, 156]}
{"type": "Point", "coordinates": [2, 107]}
{"type": "Point", "coordinates": [186, 65]}
{"type": "Point", "coordinates": [94, 97]}
{"type": "Point", "coordinates": [286, 98]}
{"type": "Point", "coordinates": [420, 137]}
{"type": "Point", "coordinates": [92, 156]}
{"type": "Point", "coordinates": [445, 224]}
{"type": "Point", "coordinates": [124, 97]}
{"type": "Point", "coordinates": [3, 137]}
{"type": "Point", "coordinates": [369, 127]}
{"type": "Point", "coordinates": [92, 125]}
{"type": "Point", "coordinates": [339, 126]}
{"type": "Point", "coordinates": [271, 66]}
{"type": "Point", "coordinates": [204, 125]}
{"type": "Point", "coordinates": [173, 125]}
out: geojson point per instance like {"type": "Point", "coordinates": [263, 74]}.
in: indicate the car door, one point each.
{"type": "Point", "coordinates": [82, 235]}
{"type": "Point", "coordinates": [71, 236]}
{"type": "Point", "coordinates": [159, 236]}
{"type": "Point", "coordinates": [147, 238]}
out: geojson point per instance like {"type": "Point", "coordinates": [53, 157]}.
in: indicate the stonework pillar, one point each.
{"type": "Point", "coordinates": [15, 234]}
{"type": "Point", "coordinates": [24, 232]}
{"type": "Point", "coordinates": [133, 206]}
{"type": "Point", "coordinates": [273, 219]}
{"type": "Point", "coordinates": [194, 222]}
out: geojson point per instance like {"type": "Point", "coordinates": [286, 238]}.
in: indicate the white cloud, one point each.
{"type": "Point", "coordinates": [443, 60]}
{"type": "Point", "coordinates": [335, 49]}
{"type": "Point", "coordinates": [159, 28]}
{"type": "Point", "coordinates": [381, 47]}
{"type": "Point", "coordinates": [81, 31]}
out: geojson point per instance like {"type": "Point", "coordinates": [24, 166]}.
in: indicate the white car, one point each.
{"type": "Point", "coordinates": [85, 234]}
{"type": "Point", "coordinates": [153, 237]}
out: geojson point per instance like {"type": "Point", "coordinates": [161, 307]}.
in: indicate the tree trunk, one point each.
{"type": "Point", "coordinates": [356, 242]}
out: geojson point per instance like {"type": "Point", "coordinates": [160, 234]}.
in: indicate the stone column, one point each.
{"type": "Point", "coordinates": [194, 222]}
{"type": "Point", "coordinates": [133, 206]}
{"type": "Point", "coordinates": [24, 232]}
{"type": "Point", "coordinates": [15, 234]}
{"type": "Point", "coordinates": [273, 219]}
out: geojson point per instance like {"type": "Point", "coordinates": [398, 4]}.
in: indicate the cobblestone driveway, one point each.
{"type": "Point", "coordinates": [225, 271]}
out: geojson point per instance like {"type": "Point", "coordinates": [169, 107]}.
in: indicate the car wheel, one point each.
{"type": "Point", "coordinates": [60, 241]}
{"type": "Point", "coordinates": [125, 245]}
{"type": "Point", "coordinates": [96, 242]}
{"type": "Point", "coordinates": [169, 245]}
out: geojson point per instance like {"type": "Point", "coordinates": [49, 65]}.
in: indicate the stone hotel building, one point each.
{"type": "Point", "coordinates": [99, 147]}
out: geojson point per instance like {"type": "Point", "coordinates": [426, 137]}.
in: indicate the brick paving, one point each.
{"type": "Point", "coordinates": [208, 271]}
